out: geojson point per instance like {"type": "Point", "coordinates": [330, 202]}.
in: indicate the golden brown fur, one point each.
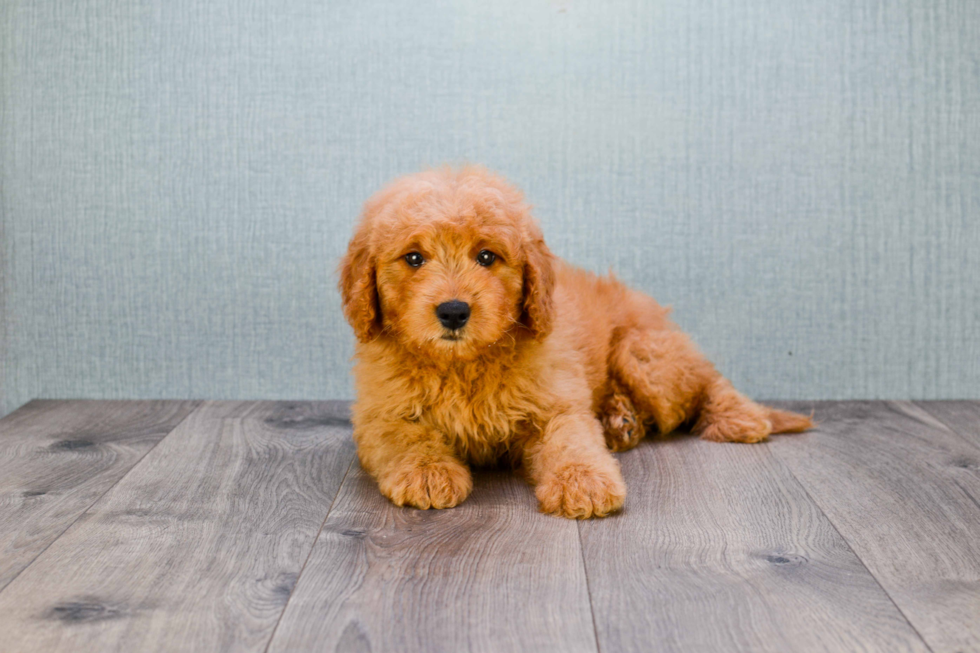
{"type": "Point", "coordinates": [554, 368]}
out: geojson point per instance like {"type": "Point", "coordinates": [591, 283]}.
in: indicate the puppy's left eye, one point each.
{"type": "Point", "coordinates": [414, 259]}
{"type": "Point", "coordinates": [486, 258]}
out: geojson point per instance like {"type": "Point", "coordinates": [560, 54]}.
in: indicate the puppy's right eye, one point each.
{"type": "Point", "coordinates": [414, 259]}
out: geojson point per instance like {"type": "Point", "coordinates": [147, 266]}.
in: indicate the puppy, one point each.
{"type": "Point", "coordinates": [476, 345]}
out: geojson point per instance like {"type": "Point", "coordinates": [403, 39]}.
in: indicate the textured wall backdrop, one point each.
{"type": "Point", "coordinates": [799, 178]}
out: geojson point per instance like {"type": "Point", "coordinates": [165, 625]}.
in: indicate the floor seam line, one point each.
{"type": "Point", "coordinates": [101, 496]}
{"type": "Point", "coordinates": [924, 405]}
{"type": "Point", "coordinates": [850, 548]}
{"type": "Point", "coordinates": [588, 587]}
{"type": "Point", "coordinates": [309, 555]}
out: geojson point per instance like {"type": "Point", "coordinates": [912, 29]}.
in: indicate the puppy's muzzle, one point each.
{"type": "Point", "coordinates": [453, 314]}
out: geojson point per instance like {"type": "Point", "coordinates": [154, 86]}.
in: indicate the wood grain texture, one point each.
{"type": "Point", "coordinates": [962, 417]}
{"type": "Point", "coordinates": [198, 548]}
{"type": "Point", "coordinates": [58, 457]}
{"type": "Point", "coordinates": [861, 536]}
{"type": "Point", "coordinates": [492, 574]}
{"type": "Point", "coordinates": [720, 549]}
{"type": "Point", "coordinates": [903, 489]}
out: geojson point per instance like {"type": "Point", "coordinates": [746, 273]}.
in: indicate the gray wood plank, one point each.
{"type": "Point", "coordinates": [199, 546]}
{"type": "Point", "coordinates": [58, 457]}
{"type": "Point", "coordinates": [492, 574]}
{"type": "Point", "coordinates": [962, 417]}
{"type": "Point", "coordinates": [720, 549]}
{"type": "Point", "coordinates": [903, 489]}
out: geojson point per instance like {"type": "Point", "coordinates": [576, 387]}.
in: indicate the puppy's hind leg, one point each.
{"type": "Point", "coordinates": [662, 373]}
{"type": "Point", "coordinates": [622, 423]}
{"type": "Point", "coordinates": [671, 383]}
{"type": "Point", "coordinates": [729, 416]}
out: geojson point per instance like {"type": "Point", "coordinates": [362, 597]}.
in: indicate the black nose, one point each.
{"type": "Point", "coordinates": [454, 314]}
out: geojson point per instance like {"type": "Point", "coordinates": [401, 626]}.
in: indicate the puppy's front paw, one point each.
{"type": "Point", "coordinates": [425, 482]}
{"type": "Point", "coordinates": [580, 491]}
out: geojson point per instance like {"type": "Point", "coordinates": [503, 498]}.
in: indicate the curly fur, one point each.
{"type": "Point", "coordinates": [555, 367]}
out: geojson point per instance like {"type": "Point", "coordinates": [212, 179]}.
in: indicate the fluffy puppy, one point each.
{"type": "Point", "coordinates": [476, 345]}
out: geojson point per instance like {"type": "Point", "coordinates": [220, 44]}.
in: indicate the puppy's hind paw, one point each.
{"type": "Point", "coordinates": [424, 483]}
{"type": "Point", "coordinates": [729, 416]}
{"type": "Point", "coordinates": [621, 424]}
{"type": "Point", "coordinates": [623, 431]}
{"type": "Point", "coordinates": [581, 491]}
{"type": "Point", "coordinates": [748, 433]}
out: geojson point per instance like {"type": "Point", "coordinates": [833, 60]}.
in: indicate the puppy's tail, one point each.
{"type": "Point", "coordinates": [784, 421]}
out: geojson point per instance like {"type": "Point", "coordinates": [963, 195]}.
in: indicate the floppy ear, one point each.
{"type": "Point", "coordinates": [539, 285]}
{"type": "Point", "coordinates": [358, 289]}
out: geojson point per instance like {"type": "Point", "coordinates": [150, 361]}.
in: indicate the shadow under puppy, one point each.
{"type": "Point", "coordinates": [476, 344]}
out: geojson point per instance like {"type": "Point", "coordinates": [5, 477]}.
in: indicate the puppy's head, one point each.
{"type": "Point", "coordinates": [448, 263]}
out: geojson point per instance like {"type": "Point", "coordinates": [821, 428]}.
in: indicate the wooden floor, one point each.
{"type": "Point", "coordinates": [183, 526]}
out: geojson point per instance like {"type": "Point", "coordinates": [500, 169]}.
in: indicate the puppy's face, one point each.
{"type": "Point", "coordinates": [448, 264]}
{"type": "Point", "coordinates": [449, 286]}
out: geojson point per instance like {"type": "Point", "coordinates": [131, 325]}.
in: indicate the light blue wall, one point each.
{"type": "Point", "coordinates": [799, 178]}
